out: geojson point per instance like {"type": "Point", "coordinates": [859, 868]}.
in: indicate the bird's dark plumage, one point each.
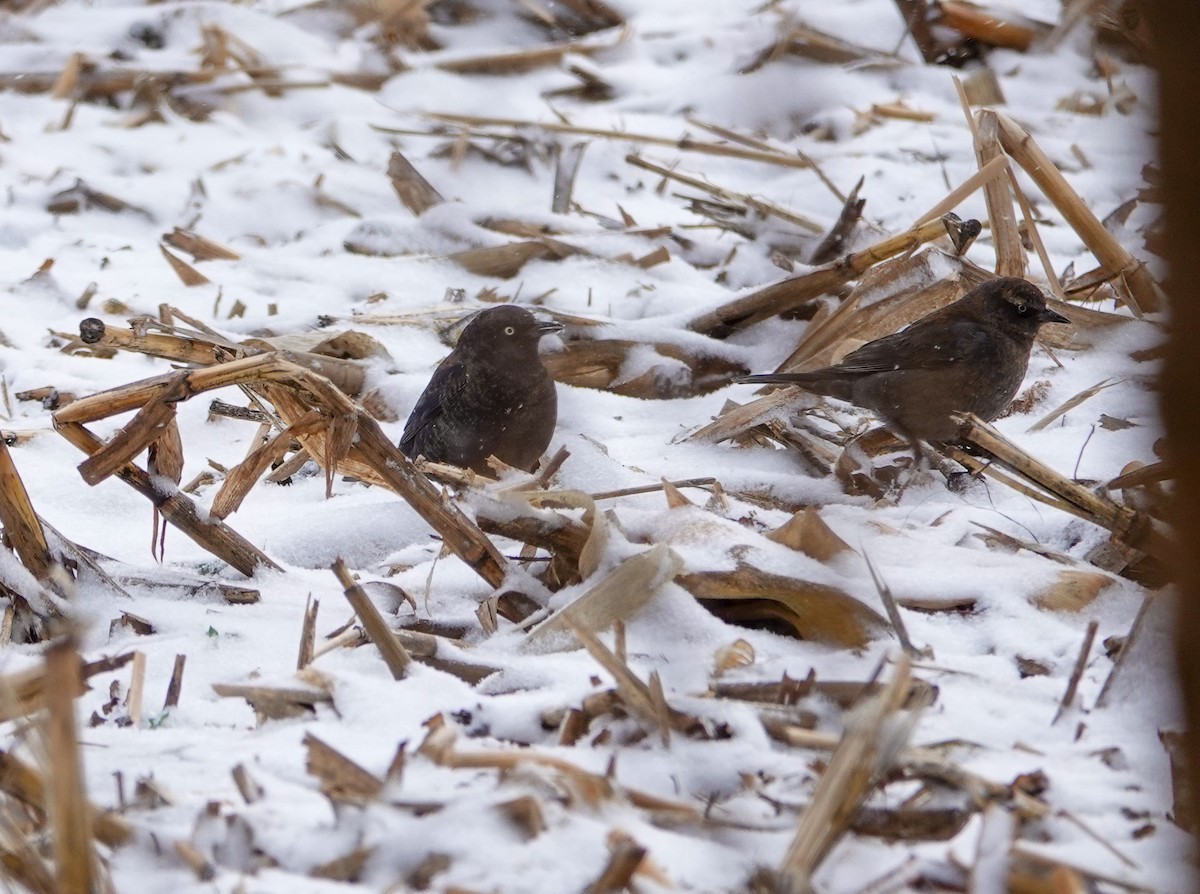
{"type": "Point", "coordinates": [968, 357]}
{"type": "Point", "coordinates": [490, 397]}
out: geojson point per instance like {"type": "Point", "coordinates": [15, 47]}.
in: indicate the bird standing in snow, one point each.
{"type": "Point", "coordinates": [968, 357]}
{"type": "Point", "coordinates": [491, 396]}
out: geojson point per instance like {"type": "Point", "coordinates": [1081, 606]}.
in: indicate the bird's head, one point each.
{"type": "Point", "coordinates": [505, 331]}
{"type": "Point", "coordinates": [1017, 305]}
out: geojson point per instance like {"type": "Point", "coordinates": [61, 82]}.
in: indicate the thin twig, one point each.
{"type": "Point", "coordinates": [1077, 671]}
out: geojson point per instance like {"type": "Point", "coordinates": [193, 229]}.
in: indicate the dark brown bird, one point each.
{"type": "Point", "coordinates": [490, 397]}
{"type": "Point", "coordinates": [968, 357]}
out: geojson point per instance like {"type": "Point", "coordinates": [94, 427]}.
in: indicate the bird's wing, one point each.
{"type": "Point", "coordinates": [922, 347]}
{"type": "Point", "coordinates": [448, 378]}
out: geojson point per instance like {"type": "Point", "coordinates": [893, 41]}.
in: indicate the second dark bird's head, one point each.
{"type": "Point", "coordinates": [504, 332]}
{"type": "Point", "coordinates": [1015, 305]}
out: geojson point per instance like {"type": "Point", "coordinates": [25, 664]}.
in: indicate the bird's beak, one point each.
{"type": "Point", "coordinates": [549, 326]}
{"type": "Point", "coordinates": [1049, 316]}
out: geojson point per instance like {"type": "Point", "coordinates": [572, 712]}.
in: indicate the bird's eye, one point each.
{"type": "Point", "coordinates": [509, 330]}
{"type": "Point", "coordinates": [1022, 309]}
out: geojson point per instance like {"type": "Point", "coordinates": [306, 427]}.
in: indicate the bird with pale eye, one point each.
{"type": "Point", "coordinates": [968, 357]}
{"type": "Point", "coordinates": [491, 396]}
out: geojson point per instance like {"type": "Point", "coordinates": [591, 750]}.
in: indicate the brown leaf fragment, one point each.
{"type": "Point", "coordinates": [434, 864]}
{"type": "Point", "coordinates": [417, 194]}
{"type": "Point", "coordinates": [136, 624]}
{"type": "Point", "coordinates": [1182, 810]}
{"type": "Point", "coordinates": [834, 243]}
{"type": "Point", "coordinates": [940, 820]}
{"type": "Point", "coordinates": [807, 532]}
{"type": "Point", "coordinates": [526, 814]}
{"type": "Point", "coordinates": [506, 261]}
{"type": "Point", "coordinates": [341, 778]}
{"type": "Point", "coordinates": [82, 197]}
{"type": "Point", "coordinates": [619, 594]}
{"type": "Point", "coordinates": [199, 247]}
{"type": "Point", "coordinates": [165, 454]}
{"type": "Point", "coordinates": [802, 608]}
{"type": "Point", "coordinates": [187, 274]}
{"type": "Point", "coordinates": [675, 497]}
{"type": "Point", "coordinates": [1031, 667]}
{"type": "Point", "coordinates": [1072, 590]}
{"type": "Point", "coordinates": [731, 656]}
{"type": "Point", "coordinates": [1113, 423]}
{"type": "Point", "coordinates": [347, 868]}
{"type": "Point", "coordinates": [625, 856]}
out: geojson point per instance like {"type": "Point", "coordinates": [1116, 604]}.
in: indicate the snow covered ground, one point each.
{"type": "Point", "coordinates": [286, 178]}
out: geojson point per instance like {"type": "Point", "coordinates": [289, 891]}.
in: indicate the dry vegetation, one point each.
{"type": "Point", "coordinates": [306, 395]}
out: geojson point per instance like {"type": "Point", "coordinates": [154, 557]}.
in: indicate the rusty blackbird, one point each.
{"type": "Point", "coordinates": [967, 357]}
{"type": "Point", "coordinates": [490, 396]}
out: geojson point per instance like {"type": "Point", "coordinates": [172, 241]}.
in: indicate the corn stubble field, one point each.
{"type": "Point", "coordinates": [721, 639]}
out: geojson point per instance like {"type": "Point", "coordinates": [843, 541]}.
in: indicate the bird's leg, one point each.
{"type": "Point", "coordinates": [922, 461]}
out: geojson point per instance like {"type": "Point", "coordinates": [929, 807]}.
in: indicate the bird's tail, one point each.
{"type": "Point", "coordinates": [819, 381]}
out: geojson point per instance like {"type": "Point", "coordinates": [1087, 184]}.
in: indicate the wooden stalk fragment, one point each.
{"type": "Point", "coordinates": [208, 348]}
{"type": "Point", "coordinates": [201, 351]}
{"type": "Point", "coordinates": [308, 634]}
{"type": "Point", "coordinates": [22, 691]}
{"type": "Point", "coordinates": [21, 525]}
{"type": "Point", "coordinates": [137, 687]}
{"type": "Point", "coordinates": [137, 435]}
{"type": "Point", "coordinates": [293, 390]}
{"type": "Point", "coordinates": [638, 697]}
{"type": "Point", "coordinates": [273, 702]}
{"type": "Point", "coordinates": [175, 686]}
{"type": "Point", "coordinates": [26, 784]}
{"type": "Point", "coordinates": [1077, 671]}
{"type": "Point", "coordinates": [1010, 254]}
{"type": "Point", "coordinates": [1134, 529]}
{"type": "Point", "coordinates": [893, 611]}
{"type": "Point", "coordinates": [1143, 291]}
{"type": "Point", "coordinates": [191, 857]}
{"type": "Point", "coordinates": [833, 245]}
{"type": "Point", "coordinates": [990, 873]}
{"type": "Point", "coordinates": [178, 509]}
{"type": "Point", "coordinates": [74, 853]}
{"type": "Point", "coordinates": [972, 21]}
{"type": "Point", "coordinates": [518, 61]}
{"type": "Point", "coordinates": [394, 654]}
{"type": "Point", "coordinates": [241, 478]}
{"type": "Point", "coordinates": [871, 742]}
{"type": "Point", "coordinates": [797, 291]}
{"type": "Point", "coordinates": [684, 144]}
{"type": "Point", "coordinates": [758, 206]}
{"type": "Point", "coordinates": [625, 857]}
{"type": "Point", "coordinates": [566, 167]}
